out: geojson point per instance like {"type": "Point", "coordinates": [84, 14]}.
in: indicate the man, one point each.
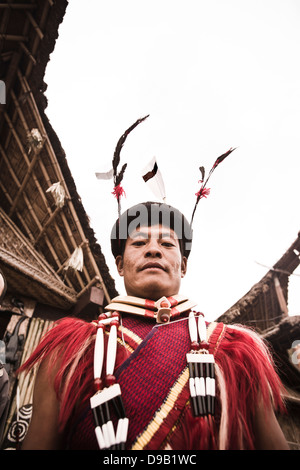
{"type": "Point", "coordinates": [158, 349]}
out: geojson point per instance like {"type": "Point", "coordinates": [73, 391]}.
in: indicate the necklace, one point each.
{"type": "Point", "coordinates": [163, 310]}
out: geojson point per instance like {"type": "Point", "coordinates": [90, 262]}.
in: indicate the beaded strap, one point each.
{"type": "Point", "coordinates": [108, 394]}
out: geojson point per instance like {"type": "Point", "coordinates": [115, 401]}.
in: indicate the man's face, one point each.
{"type": "Point", "coordinates": [152, 264]}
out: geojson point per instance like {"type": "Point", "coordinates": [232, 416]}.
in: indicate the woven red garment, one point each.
{"type": "Point", "coordinates": [147, 376]}
{"type": "Point", "coordinates": [138, 326]}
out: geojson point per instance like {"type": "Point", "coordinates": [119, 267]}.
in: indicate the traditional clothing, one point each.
{"type": "Point", "coordinates": [152, 371]}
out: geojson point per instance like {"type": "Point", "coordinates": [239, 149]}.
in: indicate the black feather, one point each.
{"type": "Point", "coordinates": [121, 141]}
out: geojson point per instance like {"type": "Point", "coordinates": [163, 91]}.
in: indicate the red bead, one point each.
{"type": "Point", "coordinates": [164, 317]}
{"type": "Point", "coordinates": [114, 323]}
{"type": "Point", "coordinates": [164, 303]}
{"type": "Point", "coordinates": [97, 384]}
{"type": "Point", "coordinates": [195, 345]}
{"type": "Point", "coordinates": [204, 345]}
{"type": "Point", "coordinates": [110, 380]}
{"type": "Point", "coordinates": [102, 316]}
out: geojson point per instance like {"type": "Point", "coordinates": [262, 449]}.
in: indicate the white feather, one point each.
{"type": "Point", "coordinates": [156, 183]}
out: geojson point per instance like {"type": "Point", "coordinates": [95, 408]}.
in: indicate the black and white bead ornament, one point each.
{"type": "Point", "coordinates": [201, 368]}
{"type": "Point", "coordinates": [108, 395]}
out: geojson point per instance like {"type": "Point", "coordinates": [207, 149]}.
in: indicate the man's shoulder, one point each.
{"type": "Point", "coordinates": [240, 340]}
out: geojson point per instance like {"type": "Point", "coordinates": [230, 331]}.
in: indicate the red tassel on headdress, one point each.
{"type": "Point", "coordinates": [118, 192]}
{"type": "Point", "coordinates": [203, 192]}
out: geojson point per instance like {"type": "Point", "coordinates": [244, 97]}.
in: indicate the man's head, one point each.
{"type": "Point", "coordinates": [151, 243]}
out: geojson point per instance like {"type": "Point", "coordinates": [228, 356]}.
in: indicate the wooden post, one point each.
{"type": "Point", "coordinates": [280, 297]}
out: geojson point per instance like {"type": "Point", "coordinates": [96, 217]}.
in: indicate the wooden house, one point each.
{"type": "Point", "coordinates": [49, 255]}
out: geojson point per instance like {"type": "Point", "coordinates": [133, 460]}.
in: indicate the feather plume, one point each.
{"type": "Point", "coordinates": [105, 176]}
{"type": "Point", "coordinates": [118, 177]}
{"type": "Point", "coordinates": [202, 169]}
{"type": "Point", "coordinates": [204, 191]}
{"type": "Point", "coordinates": [121, 141]}
{"type": "Point", "coordinates": [153, 177]}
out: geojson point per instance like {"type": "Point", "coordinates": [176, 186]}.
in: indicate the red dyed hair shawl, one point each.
{"type": "Point", "coordinates": [153, 375]}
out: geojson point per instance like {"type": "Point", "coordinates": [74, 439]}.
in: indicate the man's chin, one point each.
{"type": "Point", "coordinates": [153, 291]}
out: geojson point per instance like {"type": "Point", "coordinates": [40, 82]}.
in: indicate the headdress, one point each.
{"type": "Point", "coordinates": [151, 213]}
{"type": "Point", "coordinates": [200, 362]}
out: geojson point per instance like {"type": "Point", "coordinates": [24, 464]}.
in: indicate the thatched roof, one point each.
{"type": "Point", "coordinates": [266, 302]}
{"type": "Point", "coordinates": [43, 234]}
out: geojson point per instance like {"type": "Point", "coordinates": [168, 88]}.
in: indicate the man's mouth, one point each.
{"type": "Point", "coordinates": [152, 266]}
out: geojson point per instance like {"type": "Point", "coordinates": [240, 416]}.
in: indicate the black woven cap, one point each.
{"type": "Point", "coordinates": [149, 214]}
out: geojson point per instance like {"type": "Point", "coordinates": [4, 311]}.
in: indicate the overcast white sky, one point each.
{"type": "Point", "coordinates": [212, 75]}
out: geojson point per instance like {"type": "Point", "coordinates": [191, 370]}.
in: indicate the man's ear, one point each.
{"type": "Point", "coordinates": [119, 264]}
{"type": "Point", "coordinates": [183, 266]}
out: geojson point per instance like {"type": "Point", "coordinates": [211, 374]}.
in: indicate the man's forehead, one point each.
{"type": "Point", "coordinates": [154, 231]}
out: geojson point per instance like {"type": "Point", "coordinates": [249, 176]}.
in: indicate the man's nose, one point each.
{"type": "Point", "coordinates": [153, 250]}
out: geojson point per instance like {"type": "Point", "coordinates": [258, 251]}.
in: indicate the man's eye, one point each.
{"type": "Point", "coordinates": [168, 244]}
{"type": "Point", "coordinates": [139, 243]}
